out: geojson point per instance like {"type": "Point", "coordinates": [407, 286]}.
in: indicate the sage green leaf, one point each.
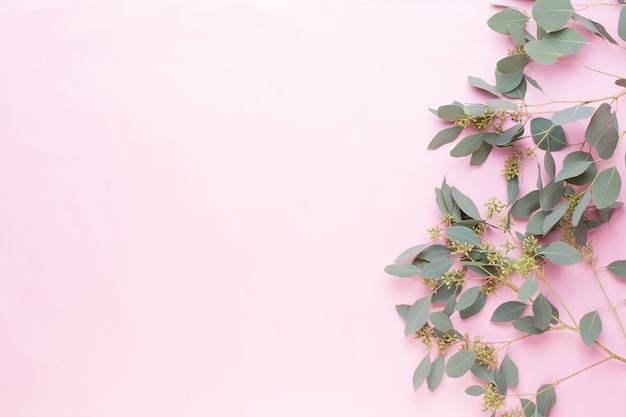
{"type": "Point", "coordinates": [551, 194]}
{"type": "Point", "coordinates": [608, 141]}
{"type": "Point", "coordinates": [441, 321]}
{"type": "Point", "coordinates": [475, 390]}
{"type": "Point", "coordinates": [621, 82]}
{"type": "Point", "coordinates": [549, 165]}
{"type": "Point", "coordinates": [527, 325]}
{"type": "Point", "coordinates": [421, 372]}
{"type": "Point", "coordinates": [434, 252]}
{"type": "Point", "coordinates": [528, 289]}
{"type": "Point", "coordinates": [475, 308]}
{"type": "Point", "coordinates": [467, 298]}
{"type": "Point", "coordinates": [450, 305]}
{"type": "Point", "coordinates": [606, 187]}
{"type": "Point", "coordinates": [560, 253]}
{"type": "Point", "coordinates": [542, 312]}
{"type": "Point", "coordinates": [526, 205]}
{"type": "Point", "coordinates": [542, 52]}
{"type": "Point", "coordinates": [529, 408]}
{"type": "Point", "coordinates": [506, 83]}
{"type": "Point", "coordinates": [546, 399]}
{"type": "Point", "coordinates": [547, 135]}
{"type": "Point", "coordinates": [500, 381]}
{"type": "Point", "coordinates": [482, 372]}
{"type": "Point", "coordinates": [451, 112]}
{"type": "Point", "coordinates": [480, 155]}
{"type": "Point", "coordinates": [508, 311]}
{"type": "Point", "coordinates": [444, 293]}
{"type": "Point", "coordinates": [618, 268]}
{"type": "Point", "coordinates": [411, 253]}
{"type": "Point", "coordinates": [536, 222]}
{"type": "Point", "coordinates": [483, 85]}
{"type": "Point", "coordinates": [507, 137]}
{"type": "Point", "coordinates": [436, 373]}
{"type": "Point", "coordinates": [460, 363]}
{"type": "Point", "coordinates": [572, 114]}
{"type": "Point", "coordinates": [500, 21]}
{"type": "Point", "coordinates": [580, 234]}
{"type": "Point", "coordinates": [462, 235]}
{"type": "Point", "coordinates": [467, 145]}
{"type": "Point", "coordinates": [580, 208]}
{"type": "Point", "coordinates": [621, 24]}
{"type": "Point", "coordinates": [599, 123]}
{"type": "Point", "coordinates": [512, 190]}
{"type": "Point", "coordinates": [466, 204]}
{"type": "Point", "coordinates": [586, 177]}
{"type": "Point", "coordinates": [572, 169]}
{"type": "Point", "coordinates": [519, 91]}
{"type": "Point", "coordinates": [518, 35]}
{"type": "Point", "coordinates": [417, 316]}
{"type": "Point", "coordinates": [403, 271]}
{"type": "Point", "coordinates": [498, 104]}
{"type": "Point", "coordinates": [437, 268]}
{"type": "Point", "coordinates": [533, 82]}
{"type": "Point", "coordinates": [553, 218]}
{"type": "Point", "coordinates": [403, 310]}
{"type": "Point", "coordinates": [510, 371]}
{"type": "Point", "coordinates": [595, 27]}
{"type": "Point", "coordinates": [512, 64]}
{"type": "Point", "coordinates": [441, 202]}
{"type": "Point", "coordinates": [552, 15]}
{"type": "Point", "coordinates": [566, 41]}
{"type": "Point", "coordinates": [447, 135]}
{"type": "Point", "coordinates": [590, 327]}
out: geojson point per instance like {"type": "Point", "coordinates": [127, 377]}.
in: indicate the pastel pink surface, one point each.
{"type": "Point", "coordinates": [198, 199]}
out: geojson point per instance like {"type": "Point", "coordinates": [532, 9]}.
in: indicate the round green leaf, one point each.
{"type": "Point", "coordinates": [606, 187]}
{"type": "Point", "coordinates": [451, 112]}
{"type": "Point", "coordinates": [542, 52]}
{"type": "Point", "coordinates": [547, 135]}
{"type": "Point", "coordinates": [527, 325]}
{"type": "Point", "coordinates": [542, 312]}
{"type": "Point", "coordinates": [460, 363]}
{"type": "Point", "coordinates": [590, 173]}
{"type": "Point", "coordinates": [590, 327]}
{"type": "Point", "coordinates": [508, 311]}
{"type": "Point", "coordinates": [572, 169]}
{"type": "Point", "coordinates": [552, 15]}
{"type": "Point", "coordinates": [524, 207]}
{"type": "Point", "coordinates": [512, 64]}
{"type": "Point", "coordinates": [500, 21]}
{"type": "Point", "coordinates": [505, 83]}
{"type": "Point", "coordinates": [403, 310]}
{"type": "Point", "coordinates": [475, 390]}
{"type": "Point", "coordinates": [566, 42]}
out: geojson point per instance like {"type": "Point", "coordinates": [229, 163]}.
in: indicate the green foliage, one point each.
{"type": "Point", "coordinates": [546, 223]}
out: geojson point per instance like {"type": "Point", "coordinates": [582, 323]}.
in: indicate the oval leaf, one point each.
{"type": "Point", "coordinates": [436, 373]}
{"type": "Point", "coordinates": [542, 311]}
{"type": "Point", "coordinates": [572, 169]}
{"type": "Point", "coordinates": [445, 136]}
{"type": "Point", "coordinates": [528, 289]}
{"type": "Point", "coordinates": [510, 371]}
{"type": "Point", "coordinates": [451, 112]}
{"type": "Point", "coordinates": [621, 24]}
{"type": "Point", "coordinates": [542, 52]}
{"type": "Point", "coordinates": [467, 145]}
{"type": "Point", "coordinates": [417, 315]}
{"type": "Point", "coordinates": [527, 325]}
{"type": "Point", "coordinates": [465, 203]}
{"type": "Point", "coordinates": [500, 21]}
{"type": "Point", "coordinates": [467, 298]}
{"type": "Point", "coordinates": [508, 311]}
{"type": "Point", "coordinates": [441, 321]}
{"type": "Point", "coordinates": [590, 327]}
{"type": "Point", "coordinates": [403, 271]}
{"type": "Point", "coordinates": [437, 268]}
{"type": "Point", "coordinates": [580, 208]}
{"type": "Point", "coordinates": [462, 235]}
{"type": "Point", "coordinates": [566, 41]}
{"type": "Point", "coordinates": [421, 372]}
{"type": "Point", "coordinates": [547, 135]}
{"type": "Point", "coordinates": [546, 399]}
{"type": "Point", "coordinates": [475, 390]}
{"type": "Point", "coordinates": [618, 268]}
{"type": "Point", "coordinates": [561, 253]}
{"type": "Point", "coordinates": [552, 15]}
{"type": "Point", "coordinates": [606, 187]}
{"type": "Point", "coordinates": [411, 253]}
{"type": "Point", "coordinates": [460, 363]}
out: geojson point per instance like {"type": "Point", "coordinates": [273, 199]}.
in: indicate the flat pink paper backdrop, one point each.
{"type": "Point", "coordinates": [198, 198]}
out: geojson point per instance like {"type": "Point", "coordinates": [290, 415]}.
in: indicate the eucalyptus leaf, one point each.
{"type": "Point", "coordinates": [590, 173]}
{"type": "Point", "coordinates": [542, 312]}
{"type": "Point", "coordinates": [549, 165]}
{"type": "Point", "coordinates": [467, 145]}
{"type": "Point", "coordinates": [475, 390]}
{"type": "Point", "coordinates": [552, 15]}
{"type": "Point", "coordinates": [483, 85]}
{"type": "Point", "coordinates": [526, 205]}
{"type": "Point", "coordinates": [500, 381]}
{"type": "Point", "coordinates": [533, 82]}
{"type": "Point", "coordinates": [519, 91]}
{"type": "Point", "coordinates": [621, 24]}
{"type": "Point", "coordinates": [465, 203]}
{"type": "Point", "coordinates": [403, 271]}
{"type": "Point", "coordinates": [480, 155]}
{"type": "Point", "coordinates": [500, 21]}
{"type": "Point", "coordinates": [594, 27]}
{"type": "Point", "coordinates": [618, 268]}
{"type": "Point", "coordinates": [607, 142]}
{"type": "Point", "coordinates": [599, 123]}
{"type": "Point", "coordinates": [441, 321]}
{"type": "Point", "coordinates": [482, 372]}
{"type": "Point", "coordinates": [475, 308]}
{"type": "Point", "coordinates": [460, 363]}
{"type": "Point", "coordinates": [560, 253]}
{"type": "Point", "coordinates": [437, 369]}
{"type": "Point", "coordinates": [572, 114]}
{"type": "Point", "coordinates": [512, 190]}
{"type": "Point", "coordinates": [590, 327]}
{"type": "Point", "coordinates": [546, 399]}
{"type": "Point", "coordinates": [551, 194]}
{"type": "Point", "coordinates": [498, 104]}
{"type": "Point", "coordinates": [434, 252]}
{"type": "Point", "coordinates": [554, 217]}
{"type": "Point", "coordinates": [542, 52]}
{"type": "Point", "coordinates": [547, 135]}
{"type": "Point", "coordinates": [528, 289]}
{"type": "Point", "coordinates": [536, 222]}
{"type": "Point", "coordinates": [580, 208]}
{"type": "Point", "coordinates": [445, 136]}
{"type": "Point", "coordinates": [512, 64]}
{"type": "Point", "coordinates": [510, 371]}
{"type": "Point", "coordinates": [468, 298]}
{"type": "Point", "coordinates": [463, 235]}
{"type": "Point", "coordinates": [417, 315]}
{"type": "Point", "coordinates": [518, 35]}
{"type": "Point", "coordinates": [529, 408]}
{"type": "Point", "coordinates": [411, 253]}
{"type": "Point", "coordinates": [527, 325]}
{"type": "Point", "coordinates": [606, 187]}
{"type": "Point", "coordinates": [505, 83]}
{"type": "Point", "coordinates": [508, 311]}
{"type": "Point", "coordinates": [421, 372]}
{"type": "Point", "coordinates": [437, 268]}
{"type": "Point", "coordinates": [572, 169]}
{"type": "Point", "coordinates": [451, 112]}
{"type": "Point", "coordinates": [403, 310]}
{"type": "Point", "coordinates": [566, 41]}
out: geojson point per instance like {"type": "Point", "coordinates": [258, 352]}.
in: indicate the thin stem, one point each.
{"type": "Point", "coordinates": [556, 295]}
{"type": "Point", "coordinates": [593, 365]}
{"type": "Point", "coordinates": [571, 61]}
{"type": "Point", "coordinates": [608, 300]}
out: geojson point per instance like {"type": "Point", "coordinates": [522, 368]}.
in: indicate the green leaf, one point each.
{"type": "Point", "coordinates": [500, 21]}
{"type": "Point", "coordinates": [466, 204]}
{"type": "Point", "coordinates": [572, 169]}
{"type": "Point", "coordinates": [403, 310]}
{"type": "Point", "coordinates": [434, 252]}
{"type": "Point", "coordinates": [595, 27]}
{"type": "Point", "coordinates": [460, 363]}
{"type": "Point", "coordinates": [547, 135]}
{"type": "Point", "coordinates": [474, 308]}
{"type": "Point", "coordinates": [500, 381]}
{"type": "Point", "coordinates": [508, 311]}
{"type": "Point", "coordinates": [437, 268]}
{"type": "Point", "coordinates": [498, 104]}
{"type": "Point", "coordinates": [589, 175]}
{"type": "Point", "coordinates": [451, 112]}
{"type": "Point", "coordinates": [444, 293]}
{"type": "Point", "coordinates": [542, 52]}
{"type": "Point", "coordinates": [436, 373]}
{"type": "Point", "coordinates": [421, 372]}
{"type": "Point", "coordinates": [533, 82]}
{"type": "Point", "coordinates": [411, 253]}
{"type": "Point", "coordinates": [608, 141]}
{"type": "Point", "coordinates": [475, 390]}
{"type": "Point", "coordinates": [572, 114]}
{"type": "Point", "coordinates": [519, 91]}
{"type": "Point", "coordinates": [527, 325]}
{"type": "Point", "coordinates": [621, 24]}
{"type": "Point", "coordinates": [468, 145]}
{"type": "Point", "coordinates": [510, 371]}
{"type": "Point", "coordinates": [441, 321]}
{"type": "Point", "coordinates": [512, 190]}
{"type": "Point", "coordinates": [602, 118]}
{"type": "Point", "coordinates": [518, 35]}
{"type": "Point", "coordinates": [467, 298]}
{"type": "Point", "coordinates": [580, 208]}
{"type": "Point", "coordinates": [526, 205]}
{"type": "Point", "coordinates": [445, 136]}
{"type": "Point", "coordinates": [529, 408]}
{"type": "Point", "coordinates": [552, 15]}
{"type": "Point", "coordinates": [417, 316]}
{"type": "Point", "coordinates": [403, 271]}
{"type": "Point", "coordinates": [590, 327]}
{"type": "Point", "coordinates": [463, 235]}
{"type": "Point", "coordinates": [542, 312]}
{"type": "Point", "coordinates": [480, 156]}
{"type": "Point", "coordinates": [535, 224]}
{"type": "Point", "coordinates": [553, 218]}
{"type": "Point", "coordinates": [560, 253]}
{"type": "Point", "coordinates": [549, 165]}
{"type": "Point", "coordinates": [551, 194]}
{"type": "Point", "coordinates": [482, 372]}
{"type": "Point", "coordinates": [546, 399]}
{"type": "Point", "coordinates": [482, 85]}
{"type": "Point", "coordinates": [606, 187]}
{"type": "Point", "coordinates": [506, 83]}
{"type": "Point", "coordinates": [512, 64]}
{"type": "Point", "coordinates": [621, 82]}
{"type": "Point", "coordinates": [566, 41]}
{"type": "Point", "coordinates": [618, 268]}
{"type": "Point", "coordinates": [528, 289]}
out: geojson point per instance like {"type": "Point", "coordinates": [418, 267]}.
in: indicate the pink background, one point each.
{"type": "Point", "coordinates": [198, 198]}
